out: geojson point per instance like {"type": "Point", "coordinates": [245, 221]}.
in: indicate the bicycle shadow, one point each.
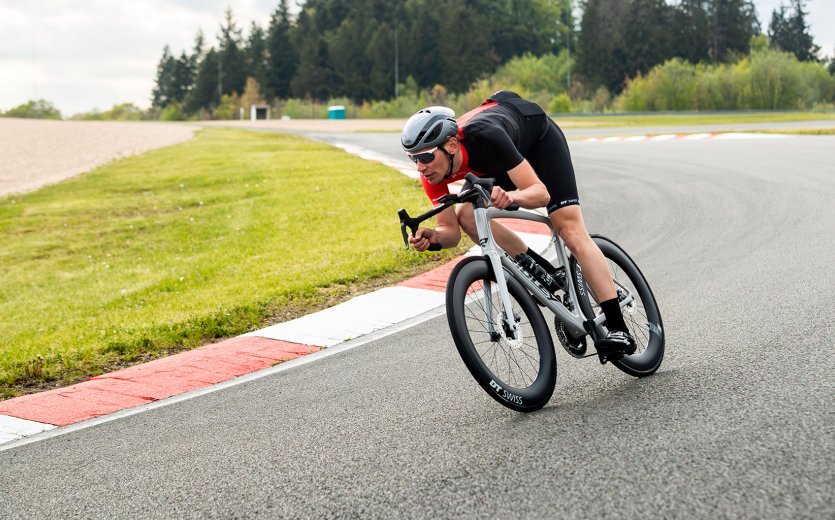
{"type": "Point", "coordinates": [625, 393]}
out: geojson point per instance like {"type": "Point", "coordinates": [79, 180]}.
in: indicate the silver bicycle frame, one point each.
{"type": "Point", "coordinates": [501, 261]}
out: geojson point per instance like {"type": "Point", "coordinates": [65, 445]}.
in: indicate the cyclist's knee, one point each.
{"type": "Point", "coordinates": [569, 224]}
{"type": "Point", "coordinates": [575, 237]}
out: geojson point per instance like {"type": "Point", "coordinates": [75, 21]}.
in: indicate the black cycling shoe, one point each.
{"type": "Point", "coordinates": [615, 345]}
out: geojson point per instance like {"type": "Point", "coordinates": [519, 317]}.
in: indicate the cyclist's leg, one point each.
{"type": "Point", "coordinates": [568, 221]}
{"type": "Point", "coordinates": [551, 161]}
{"type": "Point", "coordinates": [507, 239]}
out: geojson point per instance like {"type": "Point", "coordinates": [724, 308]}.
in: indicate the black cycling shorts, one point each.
{"type": "Point", "coordinates": [552, 163]}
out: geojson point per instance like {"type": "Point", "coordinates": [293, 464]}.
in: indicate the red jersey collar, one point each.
{"type": "Point", "coordinates": [465, 160]}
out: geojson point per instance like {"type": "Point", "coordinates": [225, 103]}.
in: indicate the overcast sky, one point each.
{"type": "Point", "coordinates": [85, 54]}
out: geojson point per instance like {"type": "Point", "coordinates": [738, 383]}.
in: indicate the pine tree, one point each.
{"type": "Point", "coordinates": [732, 24]}
{"type": "Point", "coordinates": [282, 55]}
{"type": "Point", "coordinates": [691, 34]}
{"type": "Point", "coordinates": [791, 33]}
{"type": "Point", "coordinates": [256, 55]}
{"type": "Point", "coordinates": [601, 46]}
{"type": "Point", "coordinates": [165, 89]}
{"type": "Point", "coordinates": [231, 57]}
{"type": "Point", "coordinates": [350, 63]}
{"type": "Point", "coordinates": [205, 90]}
{"type": "Point", "coordinates": [648, 36]}
{"type": "Point", "coordinates": [313, 73]}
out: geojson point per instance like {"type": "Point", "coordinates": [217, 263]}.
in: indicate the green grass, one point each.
{"type": "Point", "coordinates": [797, 131]}
{"type": "Point", "coordinates": [626, 120]}
{"type": "Point", "coordinates": [185, 245]}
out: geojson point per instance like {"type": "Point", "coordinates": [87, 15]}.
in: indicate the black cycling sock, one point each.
{"type": "Point", "coordinates": [614, 319]}
{"type": "Point", "coordinates": [541, 261]}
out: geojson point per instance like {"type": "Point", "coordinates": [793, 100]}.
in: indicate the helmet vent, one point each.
{"type": "Point", "coordinates": [433, 133]}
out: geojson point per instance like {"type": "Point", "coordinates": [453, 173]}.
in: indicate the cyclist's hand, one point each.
{"type": "Point", "coordinates": [423, 238]}
{"type": "Point", "coordinates": [500, 198]}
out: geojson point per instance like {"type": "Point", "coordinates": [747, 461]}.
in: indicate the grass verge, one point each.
{"type": "Point", "coordinates": [189, 244]}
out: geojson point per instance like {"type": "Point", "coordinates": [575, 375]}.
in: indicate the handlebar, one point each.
{"type": "Point", "coordinates": [482, 188]}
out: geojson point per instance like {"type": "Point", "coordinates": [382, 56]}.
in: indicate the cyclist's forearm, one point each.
{"type": "Point", "coordinates": [533, 197]}
{"type": "Point", "coordinates": [448, 236]}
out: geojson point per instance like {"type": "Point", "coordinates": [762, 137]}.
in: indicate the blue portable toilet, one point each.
{"type": "Point", "coordinates": [336, 112]}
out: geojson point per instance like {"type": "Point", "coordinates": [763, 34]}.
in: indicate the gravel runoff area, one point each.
{"type": "Point", "coordinates": [40, 152]}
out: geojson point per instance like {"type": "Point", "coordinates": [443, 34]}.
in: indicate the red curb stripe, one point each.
{"type": "Point", "coordinates": [158, 379]}
{"type": "Point", "coordinates": [434, 280]}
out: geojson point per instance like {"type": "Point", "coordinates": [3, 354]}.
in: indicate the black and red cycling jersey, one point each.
{"type": "Point", "coordinates": [498, 135]}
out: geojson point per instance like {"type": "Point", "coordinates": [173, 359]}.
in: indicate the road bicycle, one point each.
{"type": "Point", "coordinates": [493, 308]}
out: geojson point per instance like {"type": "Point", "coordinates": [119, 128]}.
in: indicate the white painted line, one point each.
{"type": "Point", "coordinates": [663, 137]}
{"type": "Point", "coordinates": [13, 429]}
{"type": "Point", "coordinates": [742, 136]}
{"type": "Point", "coordinates": [695, 137]}
{"type": "Point", "coordinates": [634, 138]}
{"type": "Point", "coordinates": [611, 139]}
{"type": "Point", "coordinates": [357, 317]}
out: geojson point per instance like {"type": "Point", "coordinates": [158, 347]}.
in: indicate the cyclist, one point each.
{"type": "Point", "coordinates": [512, 140]}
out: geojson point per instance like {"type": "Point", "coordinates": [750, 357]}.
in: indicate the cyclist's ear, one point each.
{"type": "Point", "coordinates": [451, 145]}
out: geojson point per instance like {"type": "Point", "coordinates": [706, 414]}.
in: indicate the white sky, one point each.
{"type": "Point", "coordinates": [85, 54]}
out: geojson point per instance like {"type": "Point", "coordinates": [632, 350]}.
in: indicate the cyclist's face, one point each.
{"type": "Point", "coordinates": [435, 170]}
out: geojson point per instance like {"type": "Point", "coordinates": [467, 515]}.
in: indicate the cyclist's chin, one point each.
{"type": "Point", "coordinates": [433, 178]}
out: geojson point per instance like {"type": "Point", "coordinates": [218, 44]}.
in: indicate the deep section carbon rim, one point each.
{"type": "Point", "coordinates": [512, 357]}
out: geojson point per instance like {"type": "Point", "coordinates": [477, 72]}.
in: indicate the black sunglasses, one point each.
{"type": "Point", "coordinates": [424, 157]}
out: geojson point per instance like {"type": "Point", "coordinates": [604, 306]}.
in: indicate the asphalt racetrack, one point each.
{"type": "Point", "coordinates": [736, 239]}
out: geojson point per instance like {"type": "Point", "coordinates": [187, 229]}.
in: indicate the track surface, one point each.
{"type": "Point", "coordinates": [735, 238]}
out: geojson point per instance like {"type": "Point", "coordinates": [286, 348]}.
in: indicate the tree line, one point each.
{"type": "Point", "coordinates": [384, 58]}
{"type": "Point", "coordinates": [336, 48]}
{"type": "Point", "coordinates": [621, 40]}
{"type": "Point", "coordinates": [365, 50]}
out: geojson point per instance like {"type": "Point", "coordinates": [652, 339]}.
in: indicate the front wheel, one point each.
{"type": "Point", "coordinates": [517, 369]}
{"type": "Point", "coordinates": [641, 315]}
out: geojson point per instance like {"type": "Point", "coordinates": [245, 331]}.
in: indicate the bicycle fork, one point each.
{"type": "Point", "coordinates": [488, 250]}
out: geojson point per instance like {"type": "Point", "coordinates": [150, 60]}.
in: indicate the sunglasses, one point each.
{"type": "Point", "coordinates": [424, 157]}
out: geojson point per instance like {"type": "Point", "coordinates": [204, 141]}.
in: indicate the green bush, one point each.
{"type": "Point", "coordinates": [122, 112]}
{"type": "Point", "coordinates": [767, 80]}
{"type": "Point", "coordinates": [172, 112]}
{"type": "Point", "coordinates": [529, 74]}
{"type": "Point", "coordinates": [560, 104]}
{"type": "Point", "coordinates": [34, 109]}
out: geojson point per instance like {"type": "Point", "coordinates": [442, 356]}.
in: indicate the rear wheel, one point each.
{"type": "Point", "coordinates": [517, 369]}
{"type": "Point", "coordinates": [641, 315]}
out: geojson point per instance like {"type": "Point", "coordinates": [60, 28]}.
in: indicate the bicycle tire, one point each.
{"type": "Point", "coordinates": [516, 388]}
{"type": "Point", "coordinates": [643, 318]}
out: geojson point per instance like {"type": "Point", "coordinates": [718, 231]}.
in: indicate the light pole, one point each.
{"type": "Point", "coordinates": [396, 62]}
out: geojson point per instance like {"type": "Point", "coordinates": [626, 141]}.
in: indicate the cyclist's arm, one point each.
{"type": "Point", "coordinates": [499, 149]}
{"type": "Point", "coordinates": [447, 232]}
{"type": "Point", "coordinates": [531, 193]}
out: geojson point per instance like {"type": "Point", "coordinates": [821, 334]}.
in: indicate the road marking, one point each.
{"type": "Point", "coordinates": [13, 428]}
{"type": "Point", "coordinates": [685, 137]}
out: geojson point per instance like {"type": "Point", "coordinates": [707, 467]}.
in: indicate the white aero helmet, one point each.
{"type": "Point", "coordinates": [428, 128]}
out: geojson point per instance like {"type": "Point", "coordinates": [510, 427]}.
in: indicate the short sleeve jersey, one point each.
{"type": "Point", "coordinates": [494, 139]}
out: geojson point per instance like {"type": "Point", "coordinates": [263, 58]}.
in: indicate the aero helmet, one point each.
{"type": "Point", "coordinates": [428, 128]}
